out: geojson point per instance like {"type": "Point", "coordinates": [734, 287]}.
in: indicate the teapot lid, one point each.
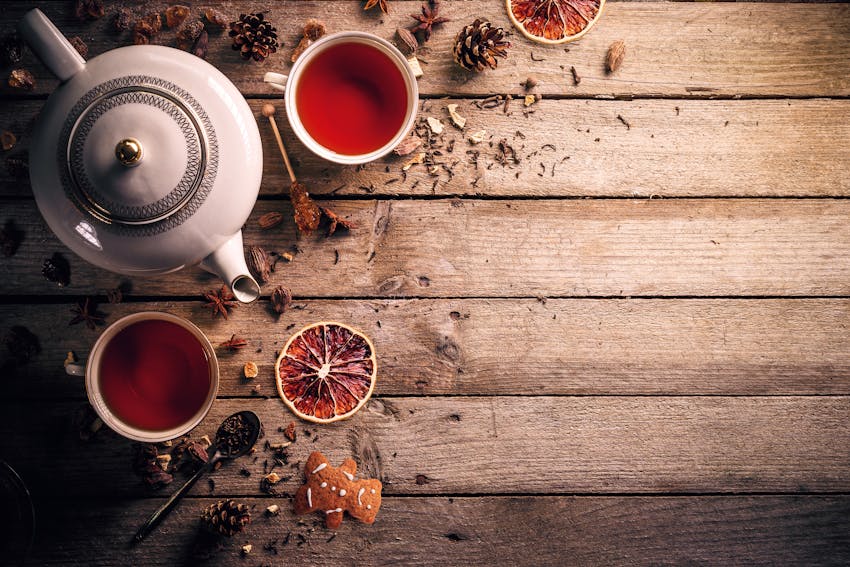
{"type": "Point", "coordinates": [137, 153]}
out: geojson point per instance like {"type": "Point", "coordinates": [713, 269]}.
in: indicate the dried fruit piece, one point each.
{"type": "Point", "coordinates": [428, 19]}
{"type": "Point", "coordinates": [407, 146]}
{"type": "Point", "coordinates": [326, 372]}
{"type": "Point", "coordinates": [478, 45]}
{"type": "Point", "coordinates": [334, 221]}
{"type": "Point", "coordinates": [88, 9]}
{"type": "Point", "coordinates": [435, 125]}
{"type": "Point", "coordinates": [380, 3]}
{"type": "Point", "coordinates": [21, 79]}
{"type": "Point", "coordinates": [7, 140]}
{"type": "Point", "coordinates": [146, 28]}
{"type": "Point", "coordinates": [11, 50]}
{"type": "Point", "coordinates": [216, 18]}
{"type": "Point", "coordinates": [457, 119]}
{"type": "Point", "coordinates": [477, 137]}
{"type": "Point", "coordinates": [554, 21]}
{"type": "Point", "coordinates": [281, 298]}
{"type": "Point", "coordinates": [86, 312]}
{"type": "Point", "coordinates": [123, 20]}
{"type": "Point", "coordinates": [530, 99]}
{"type": "Point", "coordinates": [290, 433]}
{"type": "Point", "coordinates": [176, 15]}
{"type": "Point", "coordinates": [253, 36]}
{"type": "Point", "coordinates": [614, 57]}
{"type": "Point", "coordinates": [270, 220]}
{"type": "Point", "coordinates": [418, 158]}
{"type": "Point", "coordinates": [188, 34]}
{"type": "Point", "coordinates": [57, 269]}
{"type": "Point", "coordinates": [250, 370]}
{"type": "Point", "coordinates": [273, 510]}
{"type": "Point", "coordinates": [80, 45]}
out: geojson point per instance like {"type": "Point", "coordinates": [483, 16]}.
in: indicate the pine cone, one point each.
{"type": "Point", "coordinates": [226, 517]}
{"type": "Point", "coordinates": [253, 36]}
{"type": "Point", "coordinates": [478, 44]}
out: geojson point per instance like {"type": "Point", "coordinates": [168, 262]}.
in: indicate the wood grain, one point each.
{"type": "Point", "coordinates": [525, 248]}
{"type": "Point", "coordinates": [492, 445]}
{"type": "Point", "coordinates": [441, 531]}
{"type": "Point", "coordinates": [506, 347]}
{"type": "Point", "coordinates": [671, 148]}
{"type": "Point", "coordinates": [673, 49]}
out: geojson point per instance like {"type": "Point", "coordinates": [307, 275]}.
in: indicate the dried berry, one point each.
{"type": "Point", "coordinates": [122, 20]}
{"type": "Point", "coordinates": [220, 301]}
{"type": "Point", "coordinates": [428, 19]}
{"type": "Point", "coordinates": [57, 269]}
{"type": "Point", "coordinates": [253, 36]}
{"type": "Point", "coordinates": [270, 220]}
{"type": "Point", "coordinates": [188, 34]}
{"type": "Point", "coordinates": [176, 15]}
{"type": "Point", "coordinates": [88, 9]}
{"type": "Point", "coordinates": [22, 344]}
{"type": "Point", "coordinates": [259, 262]}
{"type": "Point", "coordinates": [7, 140]}
{"type": "Point", "coordinates": [86, 312]}
{"type": "Point", "coordinates": [10, 238]}
{"type": "Point", "coordinates": [18, 166]}
{"type": "Point", "coordinates": [21, 79]}
{"type": "Point", "coordinates": [80, 45]}
{"type": "Point", "coordinates": [216, 18]}
{"type": "Point", "coordinates": [201, 45]}
{"type": "Point", "coordinates": [281, 298]}
{"type": "Point", "coordinates": [234, 343]}
{"type": "Point", "coordinates": [145, 465]}
{"type": "Point", "coordinates": [614, 57]}
{"type": "Point", "coordinates": [11, 50]}
{"type": "Point", "coordinates": [381, 3]}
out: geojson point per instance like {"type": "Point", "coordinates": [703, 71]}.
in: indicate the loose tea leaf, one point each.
{"type": "Point", "coordinates": [88, 9]}
{"type": "Point", "coordinates": [335, 221]}
{"type": "Point", "coordinates": [123, 20]}
{"type": "Point", "coordinates": [11, 50]}
{"type": "Point", "coordinates": [188, 34]}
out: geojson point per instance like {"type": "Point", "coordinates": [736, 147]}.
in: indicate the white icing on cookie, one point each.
{"type": "Point", "coordinates": [333, 488]}
{"type": "Point", "coordinates": [320, 467]}
{"type": "Point", "coordinates": [334, 510]}
{"type": "Point", "coordinates": [348, 475]}
{"type": "Point", "coordinates": [342, 492]}
{"type": "Point", "coordinates": [373, 491]}
{"type": "Point", "coordinates": [368, 506]}
{"type": "Point", "coordinates": [324, 485]}
{"type": "Point", "coordinates": [359, 494]}
{"type": "Point", "coordinates": [309, 498]}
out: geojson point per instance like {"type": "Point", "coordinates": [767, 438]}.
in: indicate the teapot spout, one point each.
{"type": "Point", "coordinates": [48, 43]}
{"type": "Point", "coordinates": [228, 263]}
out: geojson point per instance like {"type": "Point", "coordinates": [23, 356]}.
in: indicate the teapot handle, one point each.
{"type": "Point", "coordinates": [48, 43]}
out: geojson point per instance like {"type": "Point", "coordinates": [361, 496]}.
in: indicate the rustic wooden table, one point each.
{"type": "Point", "coordinates": [629, 345]}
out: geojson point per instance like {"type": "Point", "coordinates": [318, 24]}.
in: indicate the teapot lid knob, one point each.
{"type": "Point", "coordinates": [129, 152]}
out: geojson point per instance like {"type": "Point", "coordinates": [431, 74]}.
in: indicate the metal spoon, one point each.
{"type": "Point", "coordinates": [219, 451]}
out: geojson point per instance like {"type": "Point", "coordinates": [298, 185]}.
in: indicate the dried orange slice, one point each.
{"type": "Point", "coordinates": [554, 21]}
{"type": "Point", "coordinates": [326, 372]}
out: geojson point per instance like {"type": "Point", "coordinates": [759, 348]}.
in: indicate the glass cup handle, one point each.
{"type": "Point", "coordinates": [75, 368]}
{"type": "Point", "coordinates": [275, 80]}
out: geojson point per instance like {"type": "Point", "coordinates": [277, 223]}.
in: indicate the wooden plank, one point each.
{"type": "Point", "coordinates": [491, 445]}
{"type": "Point", "coordinates": [449, 531]}
{"type": "Point", "coordinates": [525, 248]}
{"type": "Point", "coordinates": [670, 148]}
{"type": "Point", "coordinates": [673, 49]}
{"type": "Point", "coordinates": [465, 347]}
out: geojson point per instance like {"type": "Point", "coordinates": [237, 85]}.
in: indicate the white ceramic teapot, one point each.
{"type": "Point", "coordinates": [145, 159]}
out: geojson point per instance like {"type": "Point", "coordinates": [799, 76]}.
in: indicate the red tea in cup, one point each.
{"type": "Point", "coordinates": [352, 98]}
{"type": "Point", "coordinates": [154, 375]}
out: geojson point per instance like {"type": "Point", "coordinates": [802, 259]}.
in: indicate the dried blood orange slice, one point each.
{"type": "Point", "coordinates": [554, 21]}
{"type": "Point", "coordinates": [326, 372]}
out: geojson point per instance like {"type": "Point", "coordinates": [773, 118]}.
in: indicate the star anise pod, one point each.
{"type": "Point", "coordinates": [428, 19]}
{"type": "Point", "coordinates": [234, 343]}
{"type": "Point", "coordinates": [220, 301]}
{"type": "Point", "coordinates": [335, 221]}
{"type": "Point", "coordinates": [381, 3]}
{"type": "Point", "coordinates": [86, 312]}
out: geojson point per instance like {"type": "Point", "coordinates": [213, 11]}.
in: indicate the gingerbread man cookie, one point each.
{"type": "Point", "coordinates": [334, 491]}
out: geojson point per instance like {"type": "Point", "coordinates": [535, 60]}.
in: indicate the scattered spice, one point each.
{"type": "Point", "coordinates": [216, 18]}
{"type": "Point", "coordinates": [380, 3]}
{"type": "Point", "coordinates": [335, 221]}
{"type": "Point", "coordinates": [122, 20]}
{"type": "Point", "coordinates": [477, 137]}
{"type": "Point", "coordinates": [624, 121]}
{"type": "Point", "coordinates": [429, 18]}
{"type": "Point", "coordinates": [246, 549]}
{"type": "Point", "coordinates": [281, 298]}
{"type": "Point", "coordinates": [188, 34]}
{"type": "Point", "coordinates": [86, 312]}
{"type": "Point", "coordinates": [313, 30]}
{"type": "Point", "coordinates": [233, 436]}
{"type": "Point", "coordinates": [10, 238]}
{"type": "Point", "coordinates": [270, 220]}
{"type": "Point", "coordinates": [21, 79]}
{"type": "Point", "coordinates": [529, 83]}
{"type": "Point", "coordinates": [290, 431]}
{"type": "Point", "coordinates": [80, 45]}
{"type": "Point", "coordinates": [11, 50]}
{"type": "Point", "coordinates": [146, 466]}
{"type": "Point", "coordinates": [418, 158]}
{"type": "Point", "coordinates": [576, 78]}
{"type": "Point", "coordinates": [408, 145]}
{"type": "Point", "coordinates": [254, 37]}
{"type": "Point", "coordinates": [530, 99]}
{"type": "Point", "coordinates": [88, 9]}
{"type": "Point", "coordinates": [457, 119]}
{"type": "Point", "coordinates": [176, 15]}
{"type": "Point", "coordinates": [259, 262]}
{"type": "Point", "coordinates": [57, 269]}
{"type": "Point", "coordinates": [234, 343]}
{"type": "Point", "coordinates": [614, 57]}
{"type": "Point", "coordinates": [533, 58]}
{"type": "Point", "coordinates": [407, 40]}
{"type": "Point", "coordinates": [250, 370]}
{"type": "Point", "coordinates": [201, 45]}
{"type": "Point", "coordinates": [21, 344]}
{"type": "Point", "coordinates": [221, 301]}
